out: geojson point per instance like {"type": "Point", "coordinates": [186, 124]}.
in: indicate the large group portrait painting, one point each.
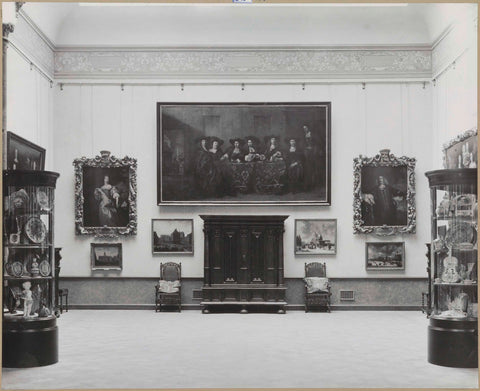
{"type": "Point", "coordinates": [244, 153]}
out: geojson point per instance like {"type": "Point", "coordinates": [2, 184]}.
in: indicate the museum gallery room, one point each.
{"type": "Point", "coordinates": [221, 195]}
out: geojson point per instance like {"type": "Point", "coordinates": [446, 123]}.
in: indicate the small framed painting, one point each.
{"type": "Point", "coordinates": [385, 255]}
{"type": "Point", "coordinates": [172, 236]}
{"type": "Point", "coordinates": [315, 236]}
{"type": "Point", "coordinates": [23, 154]}
{"type": "Point", "coordinates": [106, 256]}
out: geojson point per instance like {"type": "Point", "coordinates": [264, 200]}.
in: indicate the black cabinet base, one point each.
{"type": "Point", "coordinates": [30, 344]}
{"type": "Point", "coordinates": [453, 343]}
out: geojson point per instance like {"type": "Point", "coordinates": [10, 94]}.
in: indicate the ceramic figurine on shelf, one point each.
{"type": "Point", "coordinates": [43, 311]}
{"type": "Point", "coordinates": [457, 308]}
{"type": "Point", "coordinates": [34, 270]}
{"type": "Point", "coordinates": [27, 299]}
{"type": "Point", "coordinates": [444, 208]}
{"type": "Point", "coordinates": [450, 273]}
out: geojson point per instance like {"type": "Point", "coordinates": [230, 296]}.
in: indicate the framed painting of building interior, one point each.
{"type": "Point", "coordinates": [384, 194]}
{"type": "Point", "coordinates": [105, 195]}
{"type": "Point", "coordinates": [243, 154]}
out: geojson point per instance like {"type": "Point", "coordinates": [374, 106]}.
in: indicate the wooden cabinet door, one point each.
{"type": "Point", "coordinates": [257, 254]}
{"type": "Point", "coordinates": [230, 255]}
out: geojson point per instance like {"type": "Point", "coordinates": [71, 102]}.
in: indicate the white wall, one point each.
{"type": "Point", "coordinates": [29, 104]}
{"type": "Point", "coordinates": [455, 93]}
{"type": "Point", "coordinates": [92, 118]}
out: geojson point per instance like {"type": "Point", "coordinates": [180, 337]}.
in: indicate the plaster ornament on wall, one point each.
{"type": "Point", "coordinates": [105, 195]}
{"type": "Point", "coordinates": [305, 63]}
{"type": "Point", "coordinates": [384, 194]}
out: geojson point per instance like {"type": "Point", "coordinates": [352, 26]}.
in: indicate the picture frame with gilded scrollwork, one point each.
{"type": "Point", "coordinates": [384, 194]}
{"type": "Point", "coordinates": [105, 195]}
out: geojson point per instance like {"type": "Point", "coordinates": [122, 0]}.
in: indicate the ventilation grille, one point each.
{"type": "Point", "coordinates": [197, 294]}
{"type": "Point", "coordinates": [347, 296]}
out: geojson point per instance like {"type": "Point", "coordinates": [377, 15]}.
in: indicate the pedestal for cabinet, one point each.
{"type": "Point", "coordinates": [453, 343]}
{"type": "Point", "coordinates": [32, 343]}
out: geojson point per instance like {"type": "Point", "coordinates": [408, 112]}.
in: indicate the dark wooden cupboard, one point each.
{"type": "Point", "coordinates": [243, 264]}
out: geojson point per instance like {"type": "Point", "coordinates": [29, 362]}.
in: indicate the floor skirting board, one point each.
{"type": "Point", "coordinates": [289, 307]}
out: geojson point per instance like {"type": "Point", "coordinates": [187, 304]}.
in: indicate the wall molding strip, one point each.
{"type": "Point", "coordinates": [29, 60]}
{"type": "Point", "coordinates": [290, 307]}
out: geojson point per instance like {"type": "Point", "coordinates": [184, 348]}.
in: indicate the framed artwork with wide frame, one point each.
{"type": "Point", "coordinates": [384, 194]}
{"type": "Point", "coordinates": [243, 153]}
{"type": "Point", "coordinates": [105, 195]}
{"type": "Point", "coordinates": [462, 151]}
{"type": "Point", "coordinates": [172, 236]}
{"type": "Point", "coordinates": [23, 154]}
{"type": "Point", "coordinates": [315, 236]}
{"type": "Point", "coordinates": [385, 256]}
{"type": "Point", "coordinates": [106, 256]}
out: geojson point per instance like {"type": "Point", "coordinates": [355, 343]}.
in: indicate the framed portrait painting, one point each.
{"type": "Point", "coordinates": [106, 256]}
{"type": "Point", "coordinates": [384, 194]}
{"type": "Point", "coordinates": [385, 255]}
{"type": "Point", "coordinates": [172, 236]}
{"type": "Point", "coordinates": [23, 154]}
{"type": "Point", "coordinates": [243, 154]}
{"type": "Point", "coordinates": [315, 236]}
{"type": "Point", "coordinates": [105, 195]}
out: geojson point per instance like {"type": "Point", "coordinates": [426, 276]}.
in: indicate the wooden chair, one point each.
{"type": "Point", "coordinates": [319, 299]}
{"type": "Point", "coordinates": [63, 293]}
{"type": "Point", "coordinates": [170, 277]}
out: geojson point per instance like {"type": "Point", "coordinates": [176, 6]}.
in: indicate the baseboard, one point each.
{"type": "Point", "coordinates": [289, 307]}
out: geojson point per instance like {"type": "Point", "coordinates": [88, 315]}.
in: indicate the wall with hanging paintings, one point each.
{"type": "Point", "coordinates": [91, 118]}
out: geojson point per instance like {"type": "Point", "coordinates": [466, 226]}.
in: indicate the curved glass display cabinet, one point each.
{"type": "Point", "coordinates": [30, 336]}
{"type": "Point", "coordinates": [452, 334]}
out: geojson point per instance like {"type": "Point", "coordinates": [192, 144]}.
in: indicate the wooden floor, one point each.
{"type": "Point", "coordinates": [144, 349]}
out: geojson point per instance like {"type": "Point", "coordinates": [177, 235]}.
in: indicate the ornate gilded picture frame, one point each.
{"type": "Point", "coordinates": [384, 194]}
{"type": "Point", "coordinates": [105, 195]}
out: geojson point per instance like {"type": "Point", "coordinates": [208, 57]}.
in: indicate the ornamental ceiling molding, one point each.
{"type": "Point", "coordinates": [247, 63]}
{"type": "Point", "coordinates": [28, 38]}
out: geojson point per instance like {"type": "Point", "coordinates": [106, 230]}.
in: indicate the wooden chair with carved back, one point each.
{"type": "Point", "coordinates": [317, 287]}
{"type": "Point", "coordinates": [168, 291]}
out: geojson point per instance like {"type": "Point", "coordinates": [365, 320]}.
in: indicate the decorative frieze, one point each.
{"type": "Point", "coordinates": [290, 63]}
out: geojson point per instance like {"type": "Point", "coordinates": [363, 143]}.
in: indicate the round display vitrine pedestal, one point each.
{"type": "Point", "coordinates": [30, 343]}
{"type": "Point", "coordinates": [453, 342]}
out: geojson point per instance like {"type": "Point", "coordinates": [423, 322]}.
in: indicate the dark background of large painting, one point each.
{"type": "Point", "coordinates": [396, 177]}
{"type": "Point", "coordinates": [93, 178]}
{"type": "Point", "coordinates": [227, 121]}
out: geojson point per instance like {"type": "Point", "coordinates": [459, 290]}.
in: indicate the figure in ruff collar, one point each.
{"type": "Point", "coordinates": [235, 152]}
{"type": "Point", "coordinates": [251, 150]}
